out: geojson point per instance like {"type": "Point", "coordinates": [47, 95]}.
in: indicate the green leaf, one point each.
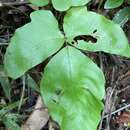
{"type": "Point", "coordinates": [10, 121]}
{"type": "Point", "coordinates": [60, 5]}
{"type": "Point", "coordinates": [32, 84]}
{"type": "Point", "coordinates": [110, 4]}
{"type": "Point", "coordinates": [33, 43]}
{"type": "Point", "coordinates": [9, 107]}
{"type": "Point", "coordinates": [63, 5]}
{"type": "Point", "coordinates": [39, 3]}
{"type": "Point", "coordinates": [72, 88]}
{"type": "Point", "coordinates": [110, 37]}
{"type": "Point", "coordinates": [4, 83]}
{"type": "Point", "coordinates": [122, 16]}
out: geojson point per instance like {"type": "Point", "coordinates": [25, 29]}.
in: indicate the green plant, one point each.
{"type": "Point", "coordinates": [72, 85]}
{"type": "Point", "coordinates": [39, 3]}
{"type": "Point", "coordinates": [60, 5]}
{"type": "Point", "coordinates": [110, 4]}
{"type": "Point", "coordinates": [4, 83]}
{"type": "Point", "coordinates": [8, 118]}
{"type": "Point", "coordinates": [122, 16]}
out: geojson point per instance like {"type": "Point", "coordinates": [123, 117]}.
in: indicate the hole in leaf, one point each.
{"type": "Point", "coordinates": [72, 42]}
{"type": "Point", "coordinates": [86, 38]}
{"type": "Point", "coordinates": [58, 91]}
{"type": "Point", "coordinates": [54, 100]}
{"type": "Point", "coordinates": [95, 31]}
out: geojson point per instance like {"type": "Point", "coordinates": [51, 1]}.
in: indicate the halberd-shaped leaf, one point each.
{"type": "Point", "coordinates": [110, 37]}
{"type": "Point", "coordinates": [73, 87]}
{"type": "Point", "coordinates": [39, 3]}
{"type": "Point", "coordinates": [63, 5]}
{"type": "Point", "coordinates": [110, 4]}
{"type": "Point", "coordinates": [33, 43]}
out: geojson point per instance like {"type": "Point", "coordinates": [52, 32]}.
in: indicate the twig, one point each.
{"type": "Point", "coordinates": [22, 94]}
{"type": "Point", "coordinates": [4, 44]}
{"type": "Point", "coordinates": [119, 91]}
{"type": "Point", "coordinates": [100, 4]}
{"type": "Point", "coordinates": [101, 61]}
{"type": "Point", "coordinates": [118, 110]}
{"type": "Point", "coordinates": [13, 3]}
{"type": "Point", "coordinates": [108, 99]}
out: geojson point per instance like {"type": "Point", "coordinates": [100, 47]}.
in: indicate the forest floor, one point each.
{"type": "Point", "coordinates": [116, 114]}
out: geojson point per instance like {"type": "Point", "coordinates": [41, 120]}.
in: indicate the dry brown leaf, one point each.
{"type": "Point", "coordinates": [33, 7]}
{"type": "Point", "coordinates": [124, 118]}
{"type": "Point", "coordinates": [38, 118]}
